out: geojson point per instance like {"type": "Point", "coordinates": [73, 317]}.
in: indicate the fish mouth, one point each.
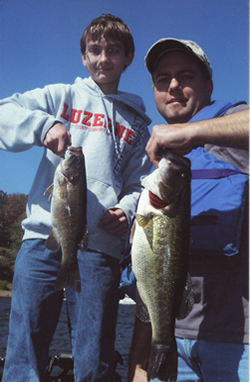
{"type": "Point", "coordinates": [73, 163]}
{"type": "Point", "coordinates": [73, 151]}
{"type": "Point", "coordinates": [169, 181]}
{"type": "Point", "coordinates": [175, 175]}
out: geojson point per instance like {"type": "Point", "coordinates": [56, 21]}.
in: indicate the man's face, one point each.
{"type": "Point", "coordinates": [179, 88]}
{"type": "Point", "coordinates": [106, 61]}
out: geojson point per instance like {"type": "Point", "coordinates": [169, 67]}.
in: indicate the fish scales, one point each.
{"type": "Point", "coordinates": [160, 257]}
{"type": "Point", "coordinates": [68, 215]}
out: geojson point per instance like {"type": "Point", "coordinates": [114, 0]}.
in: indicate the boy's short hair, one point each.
{"type": "Point", "coordinates": [111, 28]}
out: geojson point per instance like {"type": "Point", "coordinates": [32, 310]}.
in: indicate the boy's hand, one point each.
{"type": "Point", "coordinates": [58, 139]}
{"type": "Point", "coordinates": [114, 222]}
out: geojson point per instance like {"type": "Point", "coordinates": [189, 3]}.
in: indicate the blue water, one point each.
{"type": "Point", "coordinates": [61, 341]}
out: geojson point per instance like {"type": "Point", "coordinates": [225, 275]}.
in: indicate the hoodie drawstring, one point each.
{"type": "Point", "coordinates": [113, 125]}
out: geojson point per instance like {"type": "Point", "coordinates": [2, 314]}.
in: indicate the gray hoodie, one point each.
{"type": "Point", "coordinates": [112, 130]}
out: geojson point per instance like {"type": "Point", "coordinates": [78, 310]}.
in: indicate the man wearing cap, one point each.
{"type": "Point", "coordinates": [212, 340]}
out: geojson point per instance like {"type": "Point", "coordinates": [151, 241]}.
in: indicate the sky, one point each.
{"type": "Point", "coordinates": [40, 40]}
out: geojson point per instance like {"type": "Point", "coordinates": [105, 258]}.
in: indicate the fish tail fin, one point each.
{"type": "Point", "coordinates": [68, 275]}
{"type": "Point", "coordinates": [163, 363]}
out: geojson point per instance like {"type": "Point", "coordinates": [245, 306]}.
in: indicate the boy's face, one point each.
{"type": "Point", "coordinates": [179, 87]}
{"type": "Point", "coordinates": [106, 61]}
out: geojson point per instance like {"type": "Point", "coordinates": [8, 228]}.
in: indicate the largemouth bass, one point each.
{"type": "Point", "coordinates": [160, 257]}
{"type": "Point", "coordinates": [68, 215]}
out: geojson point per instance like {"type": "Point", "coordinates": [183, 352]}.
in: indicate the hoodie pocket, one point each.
{"type": "Point", "coordinates": [101, 196]}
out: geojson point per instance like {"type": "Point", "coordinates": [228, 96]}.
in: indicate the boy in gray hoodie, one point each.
{"type": "Point", "coordinates": [111, 128]}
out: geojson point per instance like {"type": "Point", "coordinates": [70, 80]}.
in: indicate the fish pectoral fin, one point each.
{"type": "Point", "coordinates": [52, 242]}
{"type": "Point", "coordinates": [49, 191]}
{"type": "Point", "coordinates": [142, 220]}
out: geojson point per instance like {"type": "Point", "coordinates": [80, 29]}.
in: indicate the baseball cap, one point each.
{"type": "Point", "coordinates": [164, 45]}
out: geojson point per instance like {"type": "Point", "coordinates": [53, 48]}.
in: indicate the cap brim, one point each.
{"type": "Point", "coordinates": [160, 48]}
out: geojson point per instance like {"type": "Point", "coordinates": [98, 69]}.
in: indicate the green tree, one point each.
{"type": "Point", "coordinates": [13, 209]}
{"type": "Point", "coordinates": [12, 212]}
{"type": "Point", "coordinates": [3, 202]}
{"type": "Point", "coordinates": [16, 233]}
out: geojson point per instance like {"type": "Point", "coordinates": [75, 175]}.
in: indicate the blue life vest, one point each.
{"type": "Point", "coordinates": [218, 195]}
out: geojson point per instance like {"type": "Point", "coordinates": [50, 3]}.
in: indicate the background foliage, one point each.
{"type": "Point", "coordinates": [12, 212]}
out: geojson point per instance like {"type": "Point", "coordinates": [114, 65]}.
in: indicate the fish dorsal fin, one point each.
{"type": "Point", "coordinates": [51, 242]}
{"type": "Point", "coordinates": [142, 220]}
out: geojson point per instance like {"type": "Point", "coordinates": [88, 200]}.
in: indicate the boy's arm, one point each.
{"type": "Point", "coordinates": [26, 119]}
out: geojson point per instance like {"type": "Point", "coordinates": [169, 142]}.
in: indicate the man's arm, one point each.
{"type": "Point", "coordinates": [229, 131]}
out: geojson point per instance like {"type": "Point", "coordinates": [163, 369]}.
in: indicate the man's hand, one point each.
{"type": "Point", "coordinates": [114, 222]}
{"type": "Point", "coordinates": [175, 137]}
{"type": "Point", "coordinates": [58, 139]}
